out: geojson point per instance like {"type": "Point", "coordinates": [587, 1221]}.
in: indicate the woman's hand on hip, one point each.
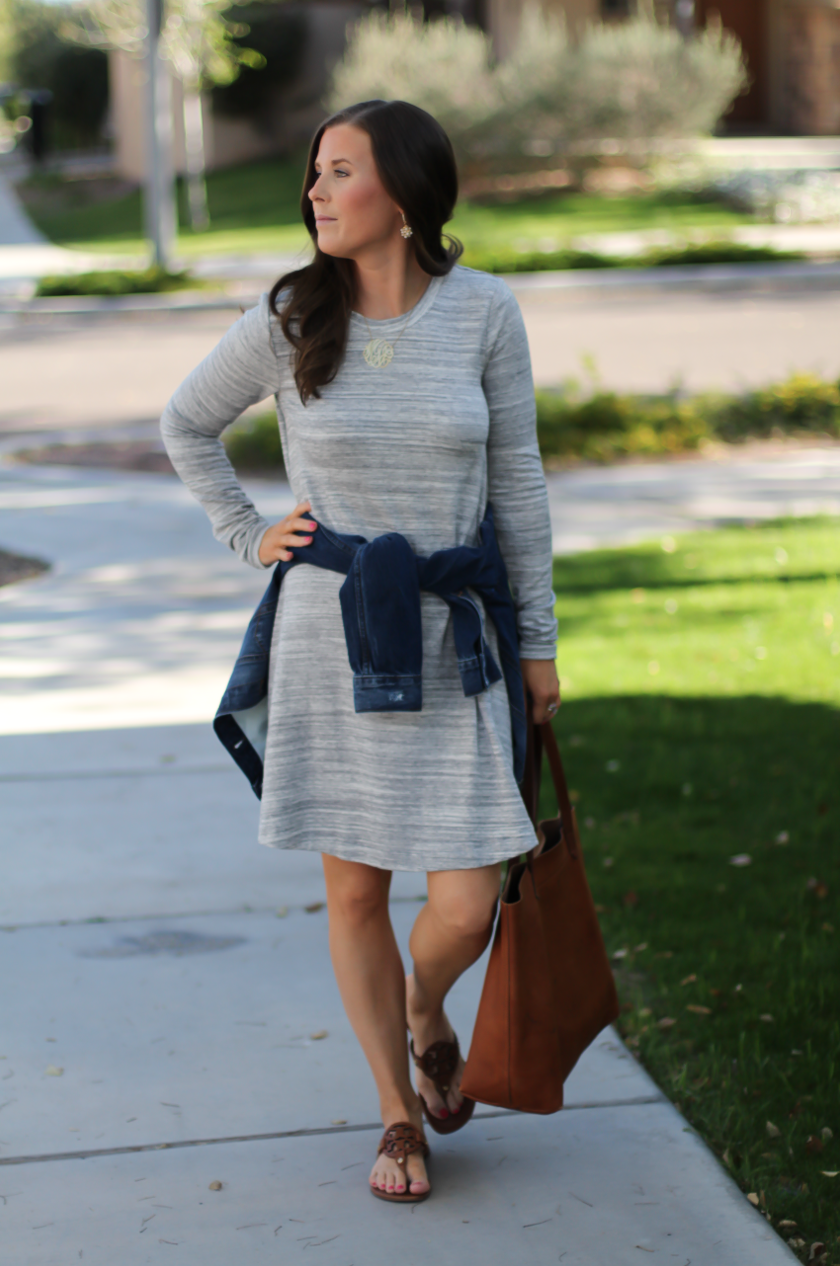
{"type": "Point", "coordinates": [276, 541]}
{"type": "Point", "coordinates": [540, 680]}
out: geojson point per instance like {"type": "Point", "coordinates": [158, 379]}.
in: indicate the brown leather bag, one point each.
{"type": "Point", "coordinates": [549, 988]}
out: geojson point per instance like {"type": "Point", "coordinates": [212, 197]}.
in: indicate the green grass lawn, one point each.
{"type": "Point", "coordinates": [255, 208]}
{"type": "Point", "coordinates": [701, 684]}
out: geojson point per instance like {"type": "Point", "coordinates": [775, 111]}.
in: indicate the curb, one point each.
{"type": "Point", "coordinates": [691, 276]}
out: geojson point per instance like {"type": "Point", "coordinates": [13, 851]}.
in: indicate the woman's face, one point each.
{"type": "Point", "coordinates": [352, 210]}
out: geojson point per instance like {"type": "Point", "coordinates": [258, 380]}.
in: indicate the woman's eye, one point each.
{"type": "Point", "coordinates": [340, 172]}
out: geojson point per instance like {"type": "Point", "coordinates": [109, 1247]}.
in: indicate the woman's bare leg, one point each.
{"type": "Point", "coordinates": [450, 933]}
{"type": "Point", "coordinates": [369, 972]}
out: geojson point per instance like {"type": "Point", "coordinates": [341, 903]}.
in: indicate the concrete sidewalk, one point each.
{"type": "Point", "coordinates": [171, 1016]}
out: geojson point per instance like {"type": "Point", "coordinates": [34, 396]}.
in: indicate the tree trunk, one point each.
{"type": "Point", "coordinates": [194, 142]}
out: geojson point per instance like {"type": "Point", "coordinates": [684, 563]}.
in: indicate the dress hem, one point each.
{"type": "Point", "coordinates": [515, 849]}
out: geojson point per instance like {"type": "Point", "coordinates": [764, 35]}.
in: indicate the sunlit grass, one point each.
{"type": "Point", "coordinates": [701, 683]}
{"type": "Point", "coordinates": [255, 208]}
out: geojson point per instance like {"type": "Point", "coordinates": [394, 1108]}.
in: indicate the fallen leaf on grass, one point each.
{"type": "Point", "coordinates": [688, 980]}
{"type": "Point", "coordinates": [813, 1145]}
{"type": "Point", "coordinates": [786, 1224]}
{"type": "Point", "coordinates": [827, 1133]}
{"type": "Point", "coordinates": [830, 1173]}
{"type": "Point", "coordinates": [726, 1158]}
{"type": "Point", "coordinates": [698, 1010]}
{"type": "Point", "coordinates": [666, 1022]}
{"type": "Point", "coordinates": [817, 1250]}
{"type": "Point", "coordinates": [773, 1131]}
{"type": "Point", "coordinates": [768, 1019]}
{"type": "Point", "coordinates": [620, 953]}
{"type": "Point", "coordinates": [316, 1037]}
{"type": "Point", "coordinates": [796, 1243]}
{"type": "Point", "coordinates": [52, 1071]}
{"type": "Point", "coordinates": [740, 859]}
{"type": "Point", "coordinates": [783, 838]}
{"type": "Point", "coordinates": [752, 1196]}
{"type": "Point", "coordinates": [637, 949]}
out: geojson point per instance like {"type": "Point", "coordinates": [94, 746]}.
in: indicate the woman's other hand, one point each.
{"type": "Point", "coordinates": [276, 542]}
{"type": "Point", "coordinates": [540, 679]}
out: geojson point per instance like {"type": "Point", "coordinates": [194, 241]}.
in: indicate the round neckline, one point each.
{"type": "Point", "coordinates": [406, 318]}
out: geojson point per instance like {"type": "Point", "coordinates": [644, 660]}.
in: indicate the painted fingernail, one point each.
{"type": "Point", "coordinates": [312, 526]}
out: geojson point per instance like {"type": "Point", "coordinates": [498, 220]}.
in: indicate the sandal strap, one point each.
{"type": "Point", "coordinates": [400, 1140]}
{"type": "Point", "coordinates": [439, 1062]}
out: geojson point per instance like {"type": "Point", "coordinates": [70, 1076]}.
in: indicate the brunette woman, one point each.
{"type": "Point", "coordinates": [405, 404]}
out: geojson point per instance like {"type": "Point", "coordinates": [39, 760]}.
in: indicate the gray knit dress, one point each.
{"type": "Point", "coordinates": [417, 447]}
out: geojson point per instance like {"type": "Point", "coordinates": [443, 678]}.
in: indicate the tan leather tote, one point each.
{"type": "Point", "coordinates": [549, 988]}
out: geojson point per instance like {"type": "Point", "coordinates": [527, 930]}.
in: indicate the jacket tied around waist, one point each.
{"type": "Point", "coordinates": [380, 609]}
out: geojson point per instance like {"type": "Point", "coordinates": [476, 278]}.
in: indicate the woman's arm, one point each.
{"type": "Point", "coordinates": [515, 478]}
{"type": "Point", "coordinates": [517, 491]}
{"type": "Point", "coordinates": [241, 370]}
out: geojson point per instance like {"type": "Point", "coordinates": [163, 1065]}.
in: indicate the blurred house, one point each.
{"type": "Point", "coordinates": [792, 48]}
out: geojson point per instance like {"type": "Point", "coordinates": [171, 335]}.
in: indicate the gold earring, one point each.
{"type": "Point", "coordinates": [406, 230]}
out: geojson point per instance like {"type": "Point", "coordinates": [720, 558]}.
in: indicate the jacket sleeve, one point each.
{"type": "Point", "coordinates": [515, 478]}
{"type": "Point", "coordinates": [241, 370]}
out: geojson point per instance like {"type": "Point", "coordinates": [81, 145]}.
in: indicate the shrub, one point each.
{"type": "Point", "coordinates": [443, 67]}
{"type": "Point", "coordinates": [496, 260]}
{"type": "Point", "coordinates": [606, 426]}
{"type": "Point", "coordinates": [802, 403]}
{"type": "Point", "coordinates": [253, 446]}
{"type": "Point", "coordinates": [114, 282]}
{"type": "Point", "coordinates": [625, 84]}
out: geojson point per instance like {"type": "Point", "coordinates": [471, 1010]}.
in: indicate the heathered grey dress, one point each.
{"type": "Point", "coordinates": [417, 447]}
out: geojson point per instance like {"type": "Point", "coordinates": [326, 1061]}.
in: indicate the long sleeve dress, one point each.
{"type": "Point", "coordinates": [417, 447]}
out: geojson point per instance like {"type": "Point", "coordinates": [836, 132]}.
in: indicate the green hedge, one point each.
{"type": "Point", "coordinates": [493, 260]}
{"type": "Point", "coordinates": [606, 425]}
{"type": "Point", "coordinates": [254, 445]}
{"type": "Point", "coordinates": [115, 282]}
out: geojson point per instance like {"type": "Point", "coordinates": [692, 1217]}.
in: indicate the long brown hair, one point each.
{"type": "Point", "coordinates": [416, 165]}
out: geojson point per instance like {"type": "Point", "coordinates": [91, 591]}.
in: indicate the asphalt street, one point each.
{"type": "Point", "coordinates": [117, 370]}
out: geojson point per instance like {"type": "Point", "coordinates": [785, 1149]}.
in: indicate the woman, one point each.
{"type": "Point", "coordinates": [406, 404]}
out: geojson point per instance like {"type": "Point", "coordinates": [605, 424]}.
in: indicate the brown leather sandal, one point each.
{"type": "Point", "coordinates": [440, 1063]}
{"type": "Point", "coordinates": [399, 1141]}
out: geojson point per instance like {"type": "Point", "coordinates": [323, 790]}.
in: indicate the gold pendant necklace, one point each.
{"type": "Point", "coordinates": [378, 352]}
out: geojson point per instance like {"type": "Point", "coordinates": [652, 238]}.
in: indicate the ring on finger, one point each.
{"type": "Point", "coordinates": [552, 708]}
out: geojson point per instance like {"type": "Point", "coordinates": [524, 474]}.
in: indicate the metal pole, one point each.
{"type": "Point", "coordinates": [160, 211]}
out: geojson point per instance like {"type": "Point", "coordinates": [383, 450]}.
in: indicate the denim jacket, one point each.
{"type": "Point", "coordinates": [380, 608]}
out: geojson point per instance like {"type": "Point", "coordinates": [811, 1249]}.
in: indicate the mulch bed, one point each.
{"type": "Point", "coordinates": [17, 567]}
{"type": "Point", "coordinates": [139, 455]}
